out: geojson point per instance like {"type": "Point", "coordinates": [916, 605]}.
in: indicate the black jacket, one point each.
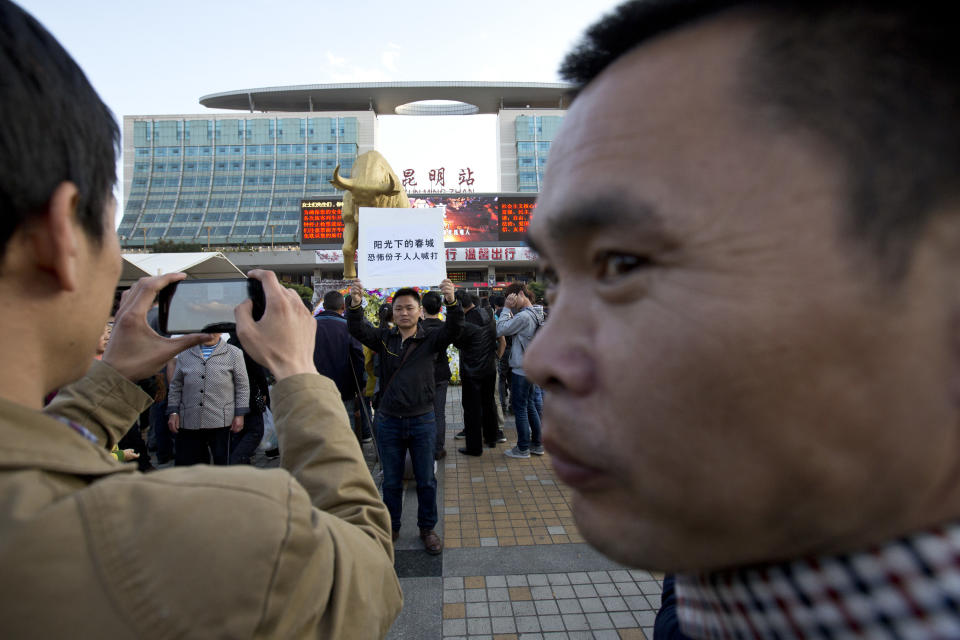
{"type": "Point", "coordinates": [336, 352]}
{"type": "Point", "coordinates": [441, 371]}
{"type": "Point", "coordinates": [409, 392]}
{"type": "Point", "coordinates": [256, 376]}
{"type": "Point", "coordinates": [478, 344]}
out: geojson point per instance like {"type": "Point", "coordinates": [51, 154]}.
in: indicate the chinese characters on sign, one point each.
{"type": "Point", "coordinates": [321, 222]}
{"type": "Point", "coordinates": [401, 247]}
{"type": "Point", "coordinates": [490, 254]}
{"type": "Point", "coordinates": [449, 254]}
{"type": "Point", "coordinates": [438, 181]}
{"type": "Point", "coordinates": [515, 217]}
{"type": "Point", "coordinates": [403, 243]}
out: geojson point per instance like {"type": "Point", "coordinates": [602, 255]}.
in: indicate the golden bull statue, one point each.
{"type": "Point", "coordinates": [372, 184]}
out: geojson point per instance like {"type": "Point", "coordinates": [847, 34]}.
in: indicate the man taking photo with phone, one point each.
{"type": "Point", "coordinates": [90, 548]}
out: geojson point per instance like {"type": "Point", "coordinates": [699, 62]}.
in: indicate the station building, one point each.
{"type": "Point", "coordinates": [252, 185]}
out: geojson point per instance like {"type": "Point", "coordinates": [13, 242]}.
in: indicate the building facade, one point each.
{"type": "Point", "coordinates": [230, 180]}
{"type": "Point", "coordinates": [525, 136]}
{"type": "Point", "coordinates": [236, 181]}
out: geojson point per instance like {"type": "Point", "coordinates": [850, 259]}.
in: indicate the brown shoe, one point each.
{"type": "Point", "coordinates": [396, 534]}
{"type": "Point", "coordinates": [431, 541]}
{"type": "Point", "coordinates": [439, 455]}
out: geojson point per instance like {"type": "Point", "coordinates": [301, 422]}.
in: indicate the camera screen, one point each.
{"type": "Point", "coordinates": [197, 304]}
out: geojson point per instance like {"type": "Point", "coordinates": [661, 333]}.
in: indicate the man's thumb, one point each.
{"type": "Point", "coordinates": [190, 340]}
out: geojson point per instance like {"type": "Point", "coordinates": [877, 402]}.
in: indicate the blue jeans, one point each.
{"type": "Point", "coordinates": [394, 437]}
{"type": "Point", "coordinates": [440, 414]}
{"type": "Point", "coordinates": [525, 412]}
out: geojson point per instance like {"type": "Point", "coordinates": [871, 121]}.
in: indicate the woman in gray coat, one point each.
{"type": "Point", "coordinates": [208, 398]}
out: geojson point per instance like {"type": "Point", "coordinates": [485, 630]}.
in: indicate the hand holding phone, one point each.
{"type": "Point", "coordinates": [284, 338]}
{"type": "Point", "coordinates": [134, 349]}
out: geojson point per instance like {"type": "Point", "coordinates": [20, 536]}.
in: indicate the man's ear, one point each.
{"type": "Point", "coordinates": [55, 237]}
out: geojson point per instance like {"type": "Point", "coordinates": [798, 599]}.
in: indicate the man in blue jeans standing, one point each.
{"type": "Point", "coordinates": [521, 319]}
{"type": "Point", "coordinates": [405, 419]}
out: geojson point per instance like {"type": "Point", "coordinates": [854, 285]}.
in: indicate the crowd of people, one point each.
{"type": "Point", "coordinates": [751, 365]}
{"type": "Point", "coordinates": [213, 396]}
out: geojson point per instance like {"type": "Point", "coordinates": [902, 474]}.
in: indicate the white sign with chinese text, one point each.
{"type": "Point", "coordinates": [400, 247]}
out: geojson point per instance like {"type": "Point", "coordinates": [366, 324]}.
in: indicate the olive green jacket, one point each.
{"type": "Point", "coordinates": [90, 548]}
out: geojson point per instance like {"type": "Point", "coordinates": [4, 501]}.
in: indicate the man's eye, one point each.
{"type": "Point", "coordinates": [548, 276]}
{"type": "Point", "coordinates": [550, 281]}
{"type": "Point", "coordinates": [613, 265]}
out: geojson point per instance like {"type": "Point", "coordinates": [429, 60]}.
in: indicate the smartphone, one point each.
{"type": "Point", "coordinates": [206, 306]}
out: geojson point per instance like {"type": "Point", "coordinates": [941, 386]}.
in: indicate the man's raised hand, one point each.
{"type": "Point", "coordinates": [448, 291]}
{"type": "Point", "coordinates": [356, 293]}
{"type": "Point", "coordinates": [283, 339]}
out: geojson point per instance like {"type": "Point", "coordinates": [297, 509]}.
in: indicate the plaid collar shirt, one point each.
{"type": "Point", "coordinates": [83, 431]}
{"type": "Point", "coordinates": [909, 588]}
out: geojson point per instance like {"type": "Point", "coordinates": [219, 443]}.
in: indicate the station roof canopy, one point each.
{"type": "Point", "coordinates": [197, 266]}
{"type": "Point", "coordinates": [398, 98]}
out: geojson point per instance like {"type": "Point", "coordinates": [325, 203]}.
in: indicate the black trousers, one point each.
{"type": "Point", "coordinates": [505, 374]}
{"type": "Point", "coordinates": [479, 411]}
{"type": "Point", "coordinates": [244, 444]}
{"type": "Point", "coordinates": [195, 446]}
{"type": "Point", "coordinates": [133, 439]}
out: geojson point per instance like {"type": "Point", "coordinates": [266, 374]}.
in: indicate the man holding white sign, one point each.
{"type": "Point", "coordinates": [405, 419]}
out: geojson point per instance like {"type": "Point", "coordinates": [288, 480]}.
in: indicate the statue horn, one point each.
{"type": "Point", "coordinates": [341, 183]}
{"type": "Point", "coordinates": [391, 189]}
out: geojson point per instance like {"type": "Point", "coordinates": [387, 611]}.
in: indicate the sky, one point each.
{"type": "Point", "coordinates": [158, 58]}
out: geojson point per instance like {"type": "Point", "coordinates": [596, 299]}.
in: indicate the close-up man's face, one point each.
{"type": "Point", "coordinates": [406, 312]}
{"type": "Point", "coordinates": [729, 377]}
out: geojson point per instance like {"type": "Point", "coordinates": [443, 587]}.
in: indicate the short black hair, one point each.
{"type": "Point", "coordinates": [497, 300]}
{"type": "Point", "coordinates": [406, 291]}
{"type": "Point", "coordinates": [878, 80]}
{"type": "Point", "coordinates": [55, 128]}
{"type": "Point", "coordinates": [463, 298]}
{"type": "Point", "coordinates": [432, 302]}
{"type": "Point", "coordinates": [333, 301]}
{"type": "Point", "coordinates": [385, 314]}
{"type": "Point", "coordinates": [521, 287]}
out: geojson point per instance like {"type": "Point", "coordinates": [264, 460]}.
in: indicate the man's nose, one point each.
{"type": "Point", "coordinates": [560, 357]}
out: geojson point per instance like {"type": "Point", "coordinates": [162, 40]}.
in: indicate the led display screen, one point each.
{"type": "Point", "coordinates": [468, 218]}
{"type": "Point", "coordinates": [515, 215]}
{"type": "Point", "coordinates": [320, 221]}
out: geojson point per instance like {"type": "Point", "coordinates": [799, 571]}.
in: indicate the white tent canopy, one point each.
{"type": "Point", "coordinates": [197, 266]}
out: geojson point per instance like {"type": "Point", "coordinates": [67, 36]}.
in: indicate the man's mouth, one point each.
{"type": "Point", "coordinates": [572, 470]}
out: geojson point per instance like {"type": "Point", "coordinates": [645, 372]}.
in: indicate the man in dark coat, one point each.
{"type": "Point", "coordinates": [338, 355]}
{"type": "Point", "coordinates": [405, 419]}
{"type": "Point", "coordinates": [478, 374]}
{"type": "Point", "coordinates": [432, 303]}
